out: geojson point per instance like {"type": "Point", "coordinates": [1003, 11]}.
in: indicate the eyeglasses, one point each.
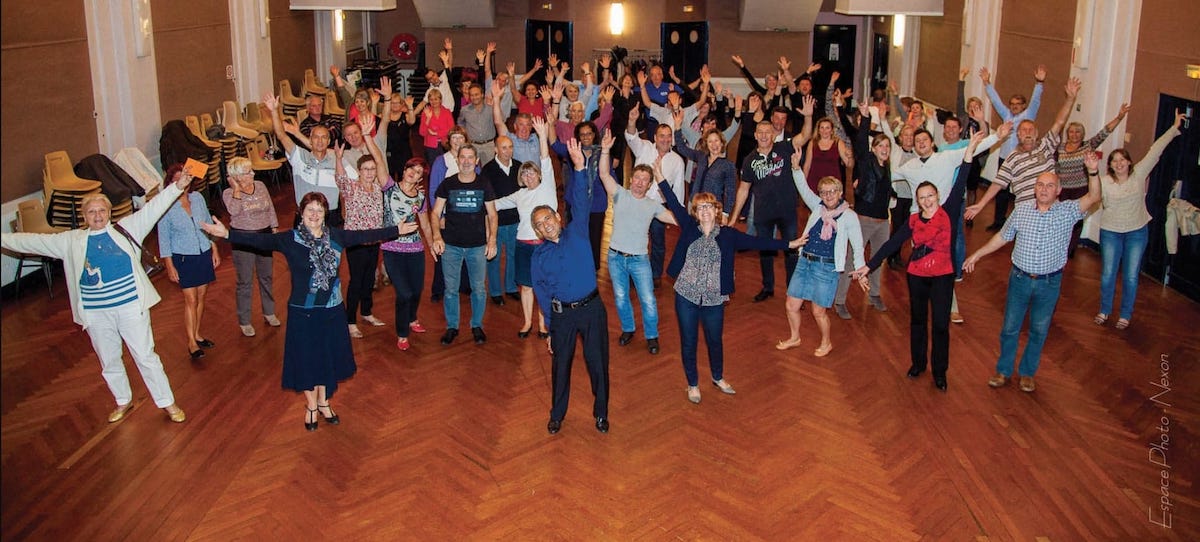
{"type": "Point", "coordinates": [829, 192]}
{"type": "Point", "coordinates": [705, 207]}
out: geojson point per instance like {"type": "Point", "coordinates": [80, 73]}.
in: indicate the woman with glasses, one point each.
{"type": "Point", "coordinates": [251, 210]}
{"type": "Point", "coordinates": [930, 269]}
{"type": "Point", "coordinates": [362, 199]}
{"type": "Point", "coordinates": [830, 225]}
{"type": "Point", "coordinates": [702, 266]}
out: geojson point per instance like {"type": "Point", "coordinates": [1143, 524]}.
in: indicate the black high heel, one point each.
{"type": "Point", "coordinates": [332, 418]}
{"type": "Point", "coordinates": [524, 333]}
{"type": "Point", "coordinates": [311, 426]}
{"type": "Point", "coordinates": [543, 334]}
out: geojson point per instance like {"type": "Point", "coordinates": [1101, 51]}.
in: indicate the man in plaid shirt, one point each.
{"type": "Point", "coordinates": [1042, 230]}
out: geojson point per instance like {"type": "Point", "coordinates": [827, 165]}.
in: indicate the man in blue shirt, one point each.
{"type": "Point", "coordinates": [564, 280]}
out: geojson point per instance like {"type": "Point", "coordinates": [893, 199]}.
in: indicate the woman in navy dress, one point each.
{"type": "Point", "coordinates": [316, 351]}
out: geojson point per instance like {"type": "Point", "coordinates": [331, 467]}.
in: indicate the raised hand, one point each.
{"type": "Point", "coordinates": [1073, 86]}
{"type": "Point", "coordinates": [333, 70]}
{"type": "Point", "coordinates": [676, 119]}
{"type": "Point", "coordinates": [539, 126]}
{"type": "Point", "coordinates": [671, 72]}
{"type": "Point", "coordinates": [1039, 73]}
{"type": "Point", "coordinates": [962, 74]}
{"type": "Point", "coordinates": [633, 116]}
{"type": "Point", "coordinates": [491, 47]}
{"type": "Point", "coordinates": [546, 92]}
{"type": "Point", "coordinates": [444, 56]}
{"type": "Point", "coordinates": [607, 94]}
{"type": "Point", "coordinates": [367, 123]}
{"type": "Point", "coordinates": [552, 60]}
{"type": "Point", "coordinates": [1003, 131]}
{"type": "Point", "coordinates": [385, 87]}
{"type": "Point", "coordinates": [448, 44]}
{"type": "Point", "coordinates": [566, 67]}
{"type": "Point", "coordinates": [290, 126]}
{"type": "Point", "coordinates": [833, 77]}
{"type": "Point", "coordinates": [985, 76]}
{"type": "Point", "coordinates": [607, 141]}
{"type": "Point", "coordinates": [1179, 119]}
{"type": "Point", "coordinates": [891, 88]}
{"type": "Point", "coordinates": [737, 60]}
{"type": "Point", "coordinates": [183, 181]}
{"type": "Point", "coordinates": [1125, 111]}
{"type": "Point", "coordinates": [1091, 160]}
{"type": "Point", "coordinates": [864, 109]}
{"type": "Point", "coordinates": [784, 63]}
{"type": "Point", "coordinates": [641, 78]}
{"type": "Point", "coordinates": [537, 64]}
{"type": "Point", "coordinates": [480, 55]}
{"type": "Point", "coordinates": [737, 102]}
{"type": "Point", "coordinates": [605, 60]}
{"type": "Point", "coordinates": [812, 68]}
{"type": "Point", "coordinates": [338, 149]}
{"type": "Point", "coordinates": [576, 153]}
{"type": "Point", "coordinates": [271, 101]}
{"type": "Point", "coordinates": [511, 68]}
{"type": "Point", "coordinates": [497, 88]}
{"type": "Point", "coordinates": [809, 104]}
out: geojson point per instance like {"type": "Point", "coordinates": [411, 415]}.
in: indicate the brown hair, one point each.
{"type": "Point", "coordinates": [311, 197]}
{"type": "Point", "coordinates": [704, 197]}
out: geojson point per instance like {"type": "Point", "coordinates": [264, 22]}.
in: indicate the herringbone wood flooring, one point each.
{"type": "Point", "coordinates": [450, 443]}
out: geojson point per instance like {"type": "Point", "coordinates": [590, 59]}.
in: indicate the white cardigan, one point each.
{"type": "Point", "coordinates": [848, 226]}
{"type": "Point", "coordinates": [71, 248]}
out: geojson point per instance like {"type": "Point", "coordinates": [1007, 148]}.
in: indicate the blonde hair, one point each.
{"type": "Point", "coordinates": [239, 166]}
{"type": "Point", "coordinates": [826, 181]}
{"type": "Point", "coordinates": [88, 199]}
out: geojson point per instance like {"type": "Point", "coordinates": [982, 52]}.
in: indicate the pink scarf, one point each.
{"type": "Point", "coordinates": [829, 219]}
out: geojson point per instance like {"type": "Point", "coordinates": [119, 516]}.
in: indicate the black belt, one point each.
{"type": "Point", "coordinates": [559, 306]}
{"type": "Point", "coordinates": [816, 258]}
{"type": "Point", "coordinates": [1036, 277]}
{"type": "Point", "coordinates": [484, 142]}
{"type": "Point", "coordinates": [264, 230]}
{"type": "Point", "coordinates": [625, 254]}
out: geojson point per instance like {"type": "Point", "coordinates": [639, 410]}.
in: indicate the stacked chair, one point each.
{"type": "Point", "coordinates": [64, 191]}
{"type": "Point", "coordinates": [288, 101]}
{"type": "Point", "coordinates": [312, 86]}
{"type": "Point", "coordinates": [31, 218]}
{"type": "Point", "coordinates": [115, 182]}
{"type": "Point", "coordinates": [259, 163]}
{"type": "Point", "coordinates": [186, 139]}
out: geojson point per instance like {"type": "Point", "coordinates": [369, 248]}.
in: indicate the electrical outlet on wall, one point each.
{"type": "Point", "coordinates": [229, 71]}
{"type": "Point", "coordinates": [1128, 137]}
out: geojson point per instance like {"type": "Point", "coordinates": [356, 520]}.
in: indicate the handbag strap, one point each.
{"type": "Point", "coordinates": [123, 231]}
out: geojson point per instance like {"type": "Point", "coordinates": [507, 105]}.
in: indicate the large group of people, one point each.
{"type": "Point", "coordinates": [480, 197]}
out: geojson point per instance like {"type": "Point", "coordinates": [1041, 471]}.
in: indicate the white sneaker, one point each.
{"type": "Point", "coordinates": [248, 330]}
{"type": "Point", "coordinates": [272, 320]}
{"type": "Point", "coordinates": [371, 319]}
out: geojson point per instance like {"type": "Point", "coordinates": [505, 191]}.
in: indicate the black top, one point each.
{"type": "Point", "coordinates": [466, 211]}
{"type": "Point", "coordinates": [874, 189]}
{"type": "Point", "coordinates": [770, 178]}
{"type": "Point", "coordinates": [503, 184]}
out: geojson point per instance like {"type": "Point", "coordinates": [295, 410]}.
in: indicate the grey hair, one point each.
{"type": "Point", "coordinates": [239, 166]}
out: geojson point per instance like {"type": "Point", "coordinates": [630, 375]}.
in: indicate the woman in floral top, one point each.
{"type": "Point", "coordinates": [362, 201]}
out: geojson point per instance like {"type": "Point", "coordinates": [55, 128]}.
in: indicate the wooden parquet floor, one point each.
{"type": "Point", "coordinates": [450, 443]}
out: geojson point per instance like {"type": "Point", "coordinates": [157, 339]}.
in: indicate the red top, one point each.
{"type": "Point", "coordinates": [435, 129]}
{"type": "Point", "coordinates": [827, 163]}
{"type": "Point", "coordinates": [934, 234]}
{"type": "Point", "coordinates": [535, 107]}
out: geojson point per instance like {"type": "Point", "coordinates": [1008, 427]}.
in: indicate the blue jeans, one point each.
{"type": "Point", "coordinates": [620, 270]}
{"type": "Point", "coordinates": [506, 242]}
{"type": "Point", "coordinates": [691, 316]}
{"type": "Point", "coordinates": [452, 262]}
{"type": "Point", "coordinates": [658, 248]}
{"type": "Point", "coordinates": [1121, 251]}
{"type": "Point", "coordinates": [1038, 297]}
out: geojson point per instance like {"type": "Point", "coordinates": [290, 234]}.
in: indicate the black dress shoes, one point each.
{"type": "Point", "coordinates": [553, 426]}
{"type": "Point", "coordinates": [914, 372]}
{"type": "Point", "coordinates": [515, 296]}
{"type": "Point", "coordinates": [625, 337]}
{"type": "Point", "coordinates": [205, 343]}
{"type": "Point", "coordinates": [543, 334]}
{"type": "Point", "coordinates": [196, 354]}
{"type": "Point", "coordinates": [523, 334]}
{"type": "Point", "coordinates": [497, 300]}
{"type": "Point", "coordinates": [763, 295]}
{"type": "Point", "coordinates": [940, 383]}
{"type": "Point", "coordinates": [449, 336]}
{"type": "Point", "coordinates": [602, 425]}
{"type": "Point", "coordinates": [652, 345]}
{"type": "Point", "coordinates": [477, 334]}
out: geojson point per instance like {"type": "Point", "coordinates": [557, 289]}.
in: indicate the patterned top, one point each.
{"type": "Point", "coordinates": [107, 280]}
{"type": "Point", "coordinates": [1021, 169]}
{"type": "Point", "coordinates": [363, 207]}
{"type": "Point", "coordinates": [1071, 171]}
{"type": "Point", "coordinates": [399, 209]}
{"type": "Point", "coordinates": [822, 248]}
{"type": "Point", "coordinates": [1042, 237]}
{"type": "Point", "coordinates": [700, 279]}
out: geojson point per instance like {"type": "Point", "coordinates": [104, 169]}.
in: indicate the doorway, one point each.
{"type": "Point", "coordinates": [834, 49]}
{"type": "Point", "coordinates": [543, 38]}
{"type": "Point", "coordinates": [685, 47]}
{"type": "Point", "coordinates": [1179, 163]}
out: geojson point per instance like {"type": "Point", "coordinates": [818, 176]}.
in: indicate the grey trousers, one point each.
{"type": "Point", "coordinates": [247, 265]}
{"type": "Point", "coordinates": [875, 232]}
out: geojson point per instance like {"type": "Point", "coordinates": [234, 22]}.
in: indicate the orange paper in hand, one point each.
{"type": "Point", "coordinates": [195, 168]}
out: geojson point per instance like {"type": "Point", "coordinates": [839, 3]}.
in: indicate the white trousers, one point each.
{"type": "Point", "coordinates": [107, 328]}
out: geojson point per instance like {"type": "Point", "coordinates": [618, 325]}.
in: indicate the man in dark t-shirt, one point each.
{"type": "Point", "coordinates": [468, 234]}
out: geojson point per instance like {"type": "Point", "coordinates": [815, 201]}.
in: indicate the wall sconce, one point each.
{"type": "Point", "coordinates": [264, 15]}
{"type": "Point", "coordinates": [616, 18]}
{"type": "Point", "coordinates": [339, 25]}
{"type": "Point", "coordinates": [1193, 71]}
{"type": "Point", "coordinates": [142, 30]}
{"type": "Point", "coordinates": [897, 31]}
